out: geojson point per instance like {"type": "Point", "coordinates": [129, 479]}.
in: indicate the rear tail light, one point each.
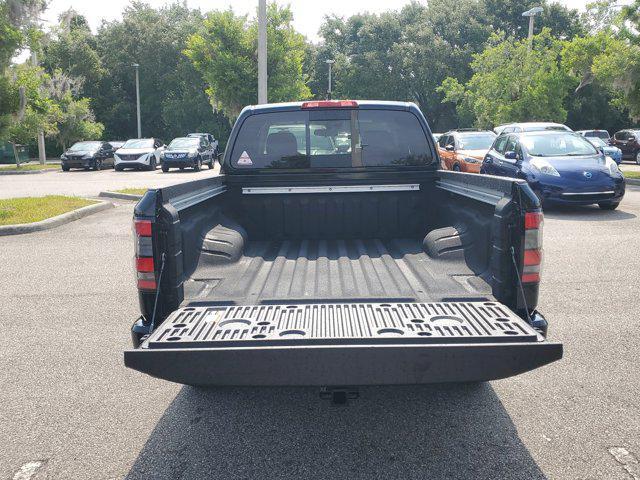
{"type": "Point", "coordinates": [330, 104]}
{"type": "Point", "coordinates": [145, 268]}
{"type": "Point", "coordinates": [533, 222]}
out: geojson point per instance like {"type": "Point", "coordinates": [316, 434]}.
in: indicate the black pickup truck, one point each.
{"type": "Point", "coordinates": [333, 251]}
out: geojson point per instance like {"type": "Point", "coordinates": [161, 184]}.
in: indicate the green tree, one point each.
{"type": "Point", "coordinates": [563, 23]}
{"type": "Point", "coordinates": [77, 122]}
{"type": "Point", "coordinates": [225, 53]}
{"type": "Point", "coordinates": [173, 94]}
{"type": "Point", "coordinates": [402, 55]}
{"type": "Point", "coordinates": [17, 30]}
{"type": "Point", "coordinates": [513, 83]}
{"type": "Point", "coordinates": [71, 47]}
{"type": "Point", "coordinates": [74, 120]}
{"type": "Point", "coordinates": [40, 112]}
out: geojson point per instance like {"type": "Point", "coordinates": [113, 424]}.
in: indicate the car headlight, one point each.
{"type": "Point", "coordinates": [63, 157]}
{"type": "Point", "coordinates": [192, 153]}
{"type": "Point", "coordinates": [542, 166]}
{"type": "Point", "coordinates": [471, 160]}
{"type": "Point", "coordinates": [612, 166]}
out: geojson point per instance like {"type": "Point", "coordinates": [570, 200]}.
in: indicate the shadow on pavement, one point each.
{"type": "Point", "coordinates": [587, 212]}
{"type": "Point", "coordinates": [425, 432]}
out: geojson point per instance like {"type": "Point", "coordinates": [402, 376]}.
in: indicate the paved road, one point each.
{"type": "Point", "coordinates": [68, 403]}
{"type": "Point", "coordinates": [89, 183]}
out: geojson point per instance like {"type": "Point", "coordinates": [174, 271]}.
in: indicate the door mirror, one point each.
{"type": "Point", "coordinates": [449, 148]}
{"type": "Point", "coordinates": [511, 155]}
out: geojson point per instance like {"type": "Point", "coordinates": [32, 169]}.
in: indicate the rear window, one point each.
{"type": "Point", "coordinates": [331, 139]}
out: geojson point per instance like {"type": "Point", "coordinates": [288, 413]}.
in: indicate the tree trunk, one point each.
{"type": "Point", "coordinates": [15, 154]}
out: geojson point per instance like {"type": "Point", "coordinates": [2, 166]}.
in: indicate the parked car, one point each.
{"type": "Point", "coordinates": [610, 150]}
{"type": "Point", "coordinates": [210, 138]}
{"type": "Point", "coordinates": [629, 142]}
{"type": "Point", "coordinates": [463, 151]}
{"type": "Point", "coordinates": [560, 167]}
{"type": "Point", "coordinates": [86, 155]}
{"type": "Point", "coordinates": [529, 127]}
{"type": "Point", "coordinates": [116, 144]}
{"type": "Point", "coordinates": [139, 153]}
{"type": "Point", "coordinates": [603, 134]}
{"type": "Point", "coordinates": [336, 266]}
{"type": "Point", "coordinates": [190, 152]}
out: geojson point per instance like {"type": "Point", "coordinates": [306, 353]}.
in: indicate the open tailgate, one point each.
{"type": "Point", "coordinates": [342, 344]}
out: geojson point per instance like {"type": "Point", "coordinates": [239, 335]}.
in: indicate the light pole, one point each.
{"type": "Point", "coordinates": [531, 14]}
{"type": "Point", "coordinates": [262, 51]}
{"type": "Point", "coordinates": [330, 63]}
{"type": "Point", "coordinates": [136, 66]}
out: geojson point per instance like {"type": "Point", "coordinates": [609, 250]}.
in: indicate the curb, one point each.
{"type": "Point", "coordinates": [632, 181]}
{"type": "Point", "coordinates": [54, 221]}
{"type": "Point", "coordinates": [23, 172]}
{"type": "Point", "coordinates": [120, 196]}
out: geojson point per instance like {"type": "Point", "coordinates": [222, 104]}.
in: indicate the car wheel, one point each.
{"type": "Point", "coordinates": [165, 169]}
{"type": "Point", "coordinates": [608, 205]}
{"type": "Point", "coordinates": [65, 168]}
{"type": "Point", "coordinates": [637, 157]}
{"type": "Point", "coordinates": [117, 168]}
{"type": "Point", "coordinates": [211, 164]}
{"type": "Point", "coordinates": [152, 163]}
{"type": "Point", "coordinates": [98, 165]}
{"type": "Point", "coordinates": [456, 168]}
{"type": "Point", "coordinates": [198, 165]}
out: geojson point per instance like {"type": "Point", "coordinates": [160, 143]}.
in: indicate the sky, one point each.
{"type": "Point", "coordinates": [308, 14]}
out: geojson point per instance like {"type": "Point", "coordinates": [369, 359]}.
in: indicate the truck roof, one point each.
{"type": "Point", "coordinates": [365, 104]}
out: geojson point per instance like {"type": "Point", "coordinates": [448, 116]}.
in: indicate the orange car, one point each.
{"type": "Point", "coordinates": [464, 150]}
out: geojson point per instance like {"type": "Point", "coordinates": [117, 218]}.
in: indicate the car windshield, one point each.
{"type": "Point", "coordinates": [84, 146]}
{"type": "Point", "coordinates": [476, 141]}
{"type": "Point", "coordinates": [597, 134]}
{"type": "Point", "coordinates": [138, 143]}
{"type": "Point", "coordinates": [557, 145]}
{"type": "Point", "coordinates": [184, 142]}
{"type": "Point", "coordinates": [597, 142]}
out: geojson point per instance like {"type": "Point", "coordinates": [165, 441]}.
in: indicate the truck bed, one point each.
{"type": "Point", "coordinates": [391, 270]}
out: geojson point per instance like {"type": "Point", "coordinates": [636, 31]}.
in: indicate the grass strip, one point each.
{"type": "Point", "coordinates": [14, 211]}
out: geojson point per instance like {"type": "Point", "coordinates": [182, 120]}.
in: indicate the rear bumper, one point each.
{"type": "Point", "coordinates": [343, 365]}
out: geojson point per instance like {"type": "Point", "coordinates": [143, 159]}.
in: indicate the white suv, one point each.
{"type": "Point", "coordinates": [139, 153]}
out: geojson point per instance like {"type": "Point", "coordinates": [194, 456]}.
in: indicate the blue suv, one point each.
{"type": "Point", "coordinates": [561, 168]}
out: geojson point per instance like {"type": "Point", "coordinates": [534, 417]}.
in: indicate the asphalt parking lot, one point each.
{"type": "Point", "coordinates": [70, 409]}
{"type": "Point", "coordinates": [89, 183]}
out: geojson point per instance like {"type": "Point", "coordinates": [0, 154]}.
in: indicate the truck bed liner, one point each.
{"type": "Point", "coordinates": [365, 323]}
{"type": "Point", "coordinates": [335, 270]}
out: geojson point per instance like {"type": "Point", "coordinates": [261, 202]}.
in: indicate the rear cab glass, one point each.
{"type": "Point", "coordinates": [331, 139]}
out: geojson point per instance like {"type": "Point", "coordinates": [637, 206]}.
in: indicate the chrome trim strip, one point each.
{"type": "Point", "coordinates": [608, 192]}
{"type": "Point", "coordinates": [332, 189]}
{"type": "Point", "coordinates": [477, 193]}
{"type": "Point", "coordinates": [186, 201]}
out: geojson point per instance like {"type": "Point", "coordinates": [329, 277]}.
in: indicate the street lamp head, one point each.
{"type": "Point", "coordinates": [135, 65]}
{"type": "Point", "coordinates": [532, 12]}
{"type": "Point", "coordinates": [330, 62]}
